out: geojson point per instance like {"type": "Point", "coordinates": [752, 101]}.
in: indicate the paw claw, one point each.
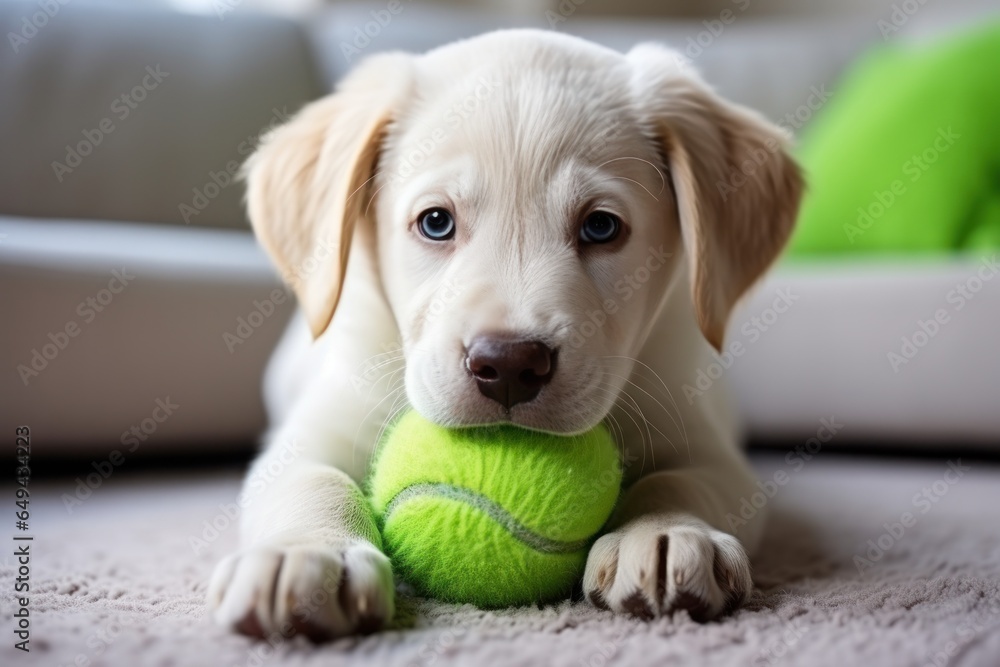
{"type": "Point", "coordinates": [637, 606]}
{"type": "Point", "coordinates": [318, 592]}
{"type": "Point", "coordinates": [249, 625]}
{"type": "Point", "coordinates": [597, 600]}
{"type": "Point", "coordinates": [698, 569]}
{"type": "Point", "coordinates": [696, 607]}
{"type": "Point", "coordinates": [661, 567]}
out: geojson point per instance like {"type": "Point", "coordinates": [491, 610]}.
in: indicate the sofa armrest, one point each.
{"type": "Point", "coordinates": [108, 322]}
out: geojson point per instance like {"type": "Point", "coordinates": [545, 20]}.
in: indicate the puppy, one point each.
{"type": "Point", "coordinates": [552, 234]}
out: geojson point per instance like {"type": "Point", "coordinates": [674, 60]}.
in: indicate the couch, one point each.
{"type": "Point", "coordinates": [120, 170]}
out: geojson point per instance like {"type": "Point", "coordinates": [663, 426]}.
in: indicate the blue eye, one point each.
{"type": "Point", "coordinates": [436, 224]}
{"type": "Point", "coordinates": [600, 227]}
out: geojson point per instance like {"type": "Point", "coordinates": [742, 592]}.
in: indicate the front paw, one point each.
{"type": "Point", "coordinates": [654, 566]}
{"type": "Point", "coordinates": [317, 591]}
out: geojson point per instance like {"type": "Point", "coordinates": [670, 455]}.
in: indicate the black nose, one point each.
{"type": "Point", "coordinates": [508, 369]}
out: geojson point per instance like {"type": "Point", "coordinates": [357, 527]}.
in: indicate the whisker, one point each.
{"type": "Point", "coordinates": [401, 403]}
{"type": "Point", "coordinates": [624, 178]}
{"type": "Point", "coordinates": [376, 174]}
{"type": "Point", "coordinates": [357, 435]}
{"type": "Point", "coordinates": [390, 375]}
{"type": "Point", "coordinates": [383, 363]}
{"type": "Point", "coordinates": [617, 432]}
{"type": "Point", "coordinates": [655, 400]}
{"type": "Point", "coordinates": [649, 424]}
{"type": "Point", "coordinates": [642, 436]}
{"type": "Point", "coordinates": [663, 384]}
{"type": "Point", "coordinates": [663, 181]}
{"type": "Point", "coordinates": [388, 354]}
{"type": "Point", "coordinates": [372, 198]}
{"type": "Point", "coordinates": [614, 427]}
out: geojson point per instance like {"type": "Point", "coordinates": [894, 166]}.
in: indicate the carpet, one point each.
{"type": "Point", "coordinates": [120, 580]}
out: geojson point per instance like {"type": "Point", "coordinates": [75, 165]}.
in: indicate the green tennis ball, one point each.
{"type": "Point", "coordinates": [494, 516]}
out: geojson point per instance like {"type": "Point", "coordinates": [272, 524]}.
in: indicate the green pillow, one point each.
{"type": "Point", "coordinates": [905, 157]}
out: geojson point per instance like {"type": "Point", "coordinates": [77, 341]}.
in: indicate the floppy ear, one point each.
{"type": "Point", "coordinates": [307, 182]}
{"type": "Point", "coordinates": [737, 190]}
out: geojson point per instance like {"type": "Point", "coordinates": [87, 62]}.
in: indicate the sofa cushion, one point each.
{"type": "Point", "coordinates": [133, 114]}
{"type": "Point", "coordinates": [108, 323]}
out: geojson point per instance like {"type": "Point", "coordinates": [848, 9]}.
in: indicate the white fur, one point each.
{"type": "Point", "coordinates": [516, 132]}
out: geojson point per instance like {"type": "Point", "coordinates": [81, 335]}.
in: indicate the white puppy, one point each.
{"type": "Point", "coordinates": [555, 233]}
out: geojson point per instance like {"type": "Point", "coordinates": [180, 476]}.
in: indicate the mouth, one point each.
{"type": "Point", "coordinates": [563, 408]}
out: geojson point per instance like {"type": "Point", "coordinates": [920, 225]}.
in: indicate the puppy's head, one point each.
{"type": "Point", "coordinates": [535, 198]}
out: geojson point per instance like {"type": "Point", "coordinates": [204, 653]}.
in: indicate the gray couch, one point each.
{"type": "Point", "coordinates": [123, 127]}
{"type": "Point", "coordinates": [151, 193]}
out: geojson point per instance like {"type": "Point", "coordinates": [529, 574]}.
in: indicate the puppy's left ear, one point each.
{"type": "Point", "coordinates": [737, 189]}
{"type": "Point", "coordinates": [308, 182]}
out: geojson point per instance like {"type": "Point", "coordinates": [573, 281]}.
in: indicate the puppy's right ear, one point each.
{"type": "Point", "coordinates": [737, 188]}
{"type": "Point", "coordinates": [307, 183]}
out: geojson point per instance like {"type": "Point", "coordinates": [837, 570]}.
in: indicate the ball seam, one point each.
{"type": "Point", "coordinates": [487, 506]}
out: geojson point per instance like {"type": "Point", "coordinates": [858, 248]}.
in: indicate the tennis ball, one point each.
{"type": "Point", "coordinates": [495, 516]}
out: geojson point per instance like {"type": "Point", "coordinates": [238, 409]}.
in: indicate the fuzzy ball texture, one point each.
{"type": "Point", "coordinates": [495, 516]}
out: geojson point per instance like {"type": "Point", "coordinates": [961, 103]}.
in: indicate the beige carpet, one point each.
{"type": "Point", "coordinates": [118, 583]}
